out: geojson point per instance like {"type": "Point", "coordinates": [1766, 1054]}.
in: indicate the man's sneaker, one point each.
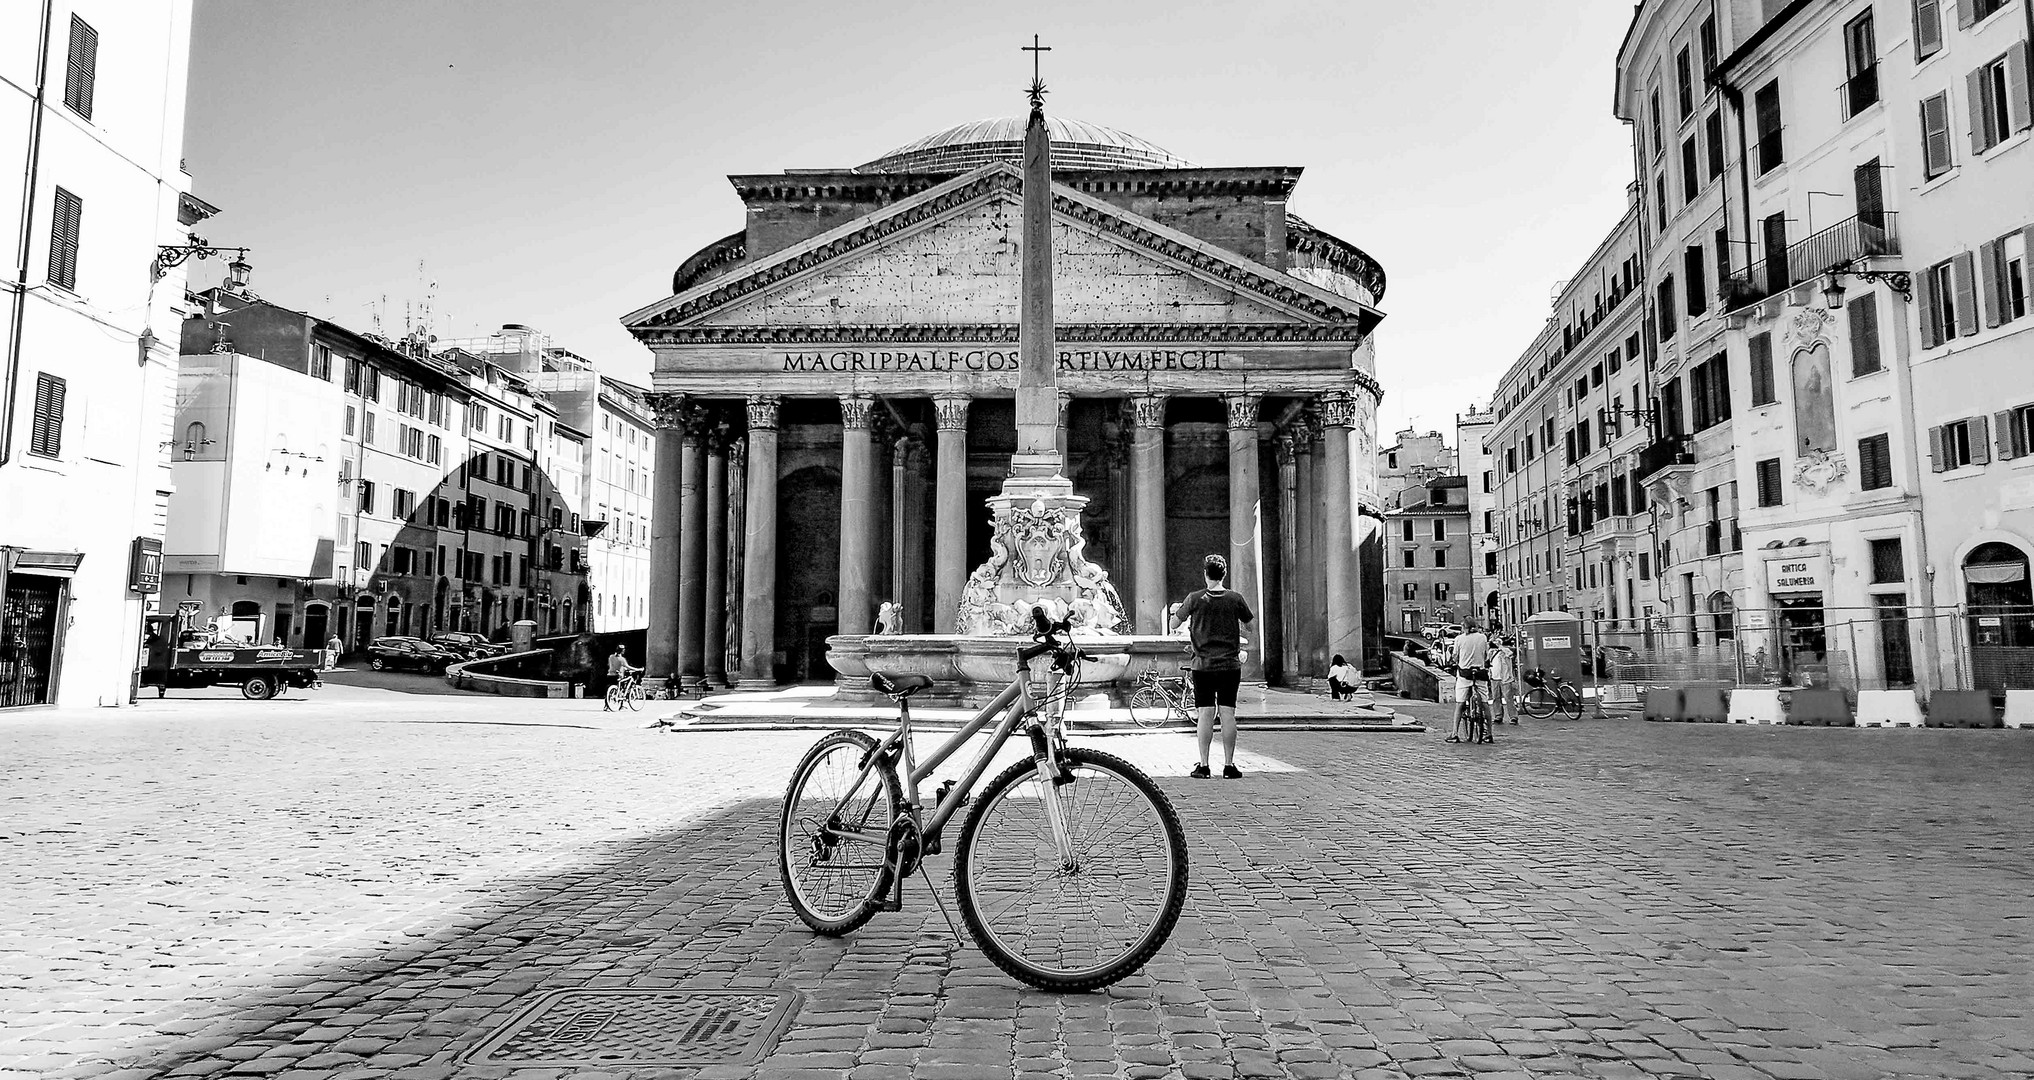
{"type": "Point", "coordinates": [1200, 772]}
{"type": "Point", "coordinates": [1231, 772]}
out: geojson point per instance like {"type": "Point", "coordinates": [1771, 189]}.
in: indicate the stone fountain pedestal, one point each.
{"type": "Point", "coordinates": [968, 672]}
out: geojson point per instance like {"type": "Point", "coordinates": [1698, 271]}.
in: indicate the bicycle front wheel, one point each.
{"type": "Point", "coordinates": [1571, 702]}
{"type": "Point", "coordinates": [1083, 924]}
{"type": "Point", "coordinates": [636, 697]}
{"type": "Point", "coordinates": [1539, 702]}
{"type": "Point", "coordinates": [1148, 707]}
{"type": "Point", "coordinates": [832, 848]}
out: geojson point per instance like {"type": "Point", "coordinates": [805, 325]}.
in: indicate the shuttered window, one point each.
{"type": "Point", "coordinates": [1769, 482]}
{"type": "Point", "coordinates": [1927, 28]}
{"type": "Point", "coordinates": [67, 216]}
{"type": "Point", "coordinates": [1935, 135]}
{"type": "Point", "coordinates": [82, 71]}
{"type": "Point", "coordinates": [1766, 104]}
{"type": "Point", "coordinates": [1712, 131]}
{"type": "Point", "coordinates": [1775, 236]}
{"type": "Point", "coordinates": [2014, 430]}
{"type": "Point", "coordinates": [1864, 335]}
{"type": "Point", "coordinates": [46, 434]}
{"type": "Point", "coordinates": [1875, 462]}
{"type": "Point", "coordinates": [1761, 348]}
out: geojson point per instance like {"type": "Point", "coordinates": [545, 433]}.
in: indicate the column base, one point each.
{"type": "Point", "coordinates": [692, 685]}
{"type": "Point", "coordinates": [746, 685]}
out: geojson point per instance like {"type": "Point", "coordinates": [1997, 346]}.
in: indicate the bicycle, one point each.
{"type": "Point", "coordinates": [1071, 866]}
{"type": "Point", "coordinates": [1476, 711]}
{"type": "Point", "coordinates": [626, 691]}
{"type": "Point", "coordinates": [1547, 691]}
{"type": "Point", "coordinates": [1160, 699]}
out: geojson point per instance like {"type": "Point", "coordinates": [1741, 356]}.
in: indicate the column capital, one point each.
{"type": "Point", "coordinates": [1297, 440]}
{"type": "Point", "coordinates": [1243, 410]}
{"type": "Point", "coordinates": [1338, 409]}
{"type": "Point", "coordinates": [737, 453]}
{"type": "Point", "coordinates": [910, 453]}
{"type": "Point", "coordinates": [668, 410]}
{"type": "Point", "coordinates": [1148, 411]}
{"type": "Point", "coordinates": [856, 410]}
{"type": "Point", "coordinates": [763, 412]}
{"type": "Point", "coordinates": [952, 412]}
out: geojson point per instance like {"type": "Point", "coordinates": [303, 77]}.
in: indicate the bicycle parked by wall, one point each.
{"type": "Point", "coordinates": [1070, 869]}
{"type": "Point", "coordinates": [1161, 699]}
{"type": "Point", "coordinates": [1546, 692]}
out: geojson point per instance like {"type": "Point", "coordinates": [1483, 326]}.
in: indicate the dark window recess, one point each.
{"type": "Point", "coordinates": [1691, 176]}
{"type": "Point", "coordinates": [1889, 562]}
{"type": "Point", "coordinates": [1712, 131]}
{"type": "Point", "coordinates": [1722, 256]}
{"type": "Point", "coordinates": [1874, 462]}
{"type": "Point", "coordinates": [1769, 482]}
{"type": "Point", "coordinates": [64, 226]}
{"type": "Point", "coordinates": [1864, 335]}
{"type": "Point", "coordinates": [1709, 391]}
{"type": "Point", "coordinates": [1684, 84]}
{"type": "Point", "coordinates": [1669, 322]}
{"type": "Point", "coordinates": [1761, 349]}
{"type": "Point", "coordinates": [46, 433]}
{"type": "Point", "coordinates": [1861, 64]}
{"type": "Point", "coordinates": [1698, 287]}
{"type": "Point", "coordinates": [1766, 105]}
{"type": "Point", "coordinates": [1775, 236]}
{"type": "Point", "coordinates": [1866, 180]}
{"type": "Point", "coordinates": [81, 74]}
{"type": "Point", "coordinates": [1708, 40]}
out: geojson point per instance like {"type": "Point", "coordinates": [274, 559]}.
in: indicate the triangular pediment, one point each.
{"type": "Point", "coordinates": [950, 256]}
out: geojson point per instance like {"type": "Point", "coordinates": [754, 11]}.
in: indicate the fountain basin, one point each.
{"type": "Point", "coordinates": [968, 672]}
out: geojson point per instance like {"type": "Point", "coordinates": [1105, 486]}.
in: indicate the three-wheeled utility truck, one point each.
{"type": "Point", "coordinates": [179, 652]}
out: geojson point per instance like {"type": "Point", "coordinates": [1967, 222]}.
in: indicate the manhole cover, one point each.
{"type": "Point", "coordinates": [566, 1028]}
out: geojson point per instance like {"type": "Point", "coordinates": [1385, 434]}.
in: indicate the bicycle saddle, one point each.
{"type": "Point", "coordinates": [899, 686]}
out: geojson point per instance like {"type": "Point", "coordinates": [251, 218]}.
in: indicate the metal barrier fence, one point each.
{"type": "Point", "coordinates": [1887, 647]}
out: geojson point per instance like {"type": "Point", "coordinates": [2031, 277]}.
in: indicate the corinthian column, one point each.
{"type": "Point", "coordinates": [666, 526]}
{"type": "Point", "coordinates": [714, 639]}
{"type": "Point", "coordinates": [857, 526]}
{"type": "Point", "coordinates": [1246, 570]}
{"type": "Point", "coordinates": [907, 527]}
{"type": "Point", "coordinates": [1289, 446]}
{"type": "Point", "coordinates": [1305, 526]}
{"type": "Point", "coordinates": [1147, 510]}
{"type": "Point", "coordinates": [759, 550]}
{"type": "Point", "coordinates": [692, 557]}
{"type": "Point", "coordinates": [950, 513]}
{"type": "Point", "coordinates": [1338, 541]}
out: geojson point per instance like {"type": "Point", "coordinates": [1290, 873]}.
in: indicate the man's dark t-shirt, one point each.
{"type": "Point", "coordinates": [1215, 621]}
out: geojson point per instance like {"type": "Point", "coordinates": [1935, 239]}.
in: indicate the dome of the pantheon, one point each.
{"type": "Point", "coordinates": [1076, 144]}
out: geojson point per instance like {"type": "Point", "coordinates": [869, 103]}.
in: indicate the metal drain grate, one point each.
{"type": "Point", "coordinates": [570, 1028]}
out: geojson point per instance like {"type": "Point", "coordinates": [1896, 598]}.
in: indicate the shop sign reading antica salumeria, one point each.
{"type": "Point", "coordinates": [974, 360]}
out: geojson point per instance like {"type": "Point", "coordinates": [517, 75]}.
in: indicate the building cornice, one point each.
{"type": "Point", "coordinates": [1348, 333]}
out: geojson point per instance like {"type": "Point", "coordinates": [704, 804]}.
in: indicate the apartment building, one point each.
{"type": "Point", "coordinates": [1575, 529]}
{"type": "Point", "coordinates": [1428, 553]}
{"type": "Point", "coordinates": [1472, 452]}
{"type": "Point", "coordinates": [613, 504]}
{"type": "Point", "coordinates": [1413, 459]}
{"type": "Point", "coordinates": [100, 209]}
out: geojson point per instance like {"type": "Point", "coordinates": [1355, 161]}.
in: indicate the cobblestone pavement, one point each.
{"type": "Point", "coordinates": [363, 884]}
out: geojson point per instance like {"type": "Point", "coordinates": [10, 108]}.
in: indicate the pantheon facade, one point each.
{"type": "Point", "coordinates": [835, 400]}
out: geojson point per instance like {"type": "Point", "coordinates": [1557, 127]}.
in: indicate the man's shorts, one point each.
{"type": "Point", "coordinates": [1216, 687]}
{"type": "Point", "coordinates": [1462, 684]}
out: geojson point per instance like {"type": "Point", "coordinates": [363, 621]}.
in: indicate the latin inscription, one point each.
{"type": "Point", "coordinates": [880, 360]}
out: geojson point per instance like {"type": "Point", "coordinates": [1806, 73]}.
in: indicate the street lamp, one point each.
{"type": "Point", "coordinates": [168, 256]}
{"type": "Point", "coordinates": [1832, 281]}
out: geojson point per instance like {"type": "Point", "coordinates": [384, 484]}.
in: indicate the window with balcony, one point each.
{"type": "Point", "coordinates": [1861, 66]}
{"type": "Point", "coordinates": [1766, 107]}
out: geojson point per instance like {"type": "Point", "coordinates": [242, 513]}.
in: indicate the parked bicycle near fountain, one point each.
{"type": "Point", "coordinates": [1070, 869]}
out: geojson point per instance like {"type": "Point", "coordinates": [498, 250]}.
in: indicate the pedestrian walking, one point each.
{"type": "Point", "coordinates": [332, 649]}
{"type": "Point", "coordinates": [1214, 617]}
{"type": "Point", "coordinates": [1472, 665]}
{"type": "Point", "coordinates": [1342, 679]}
{"type": "Point", "coordinates": [1504, 681]}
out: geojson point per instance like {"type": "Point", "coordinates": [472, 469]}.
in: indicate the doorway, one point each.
{"type": "Point", "coordinates": [315, 626]}
{"type": "Point", "coordinates": [28, 639]}
{"type": "Point", "coordinates": [1804, 642]}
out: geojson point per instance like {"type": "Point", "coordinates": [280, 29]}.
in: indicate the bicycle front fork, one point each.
{"type": "Point", "coordinates": [1053, 776]}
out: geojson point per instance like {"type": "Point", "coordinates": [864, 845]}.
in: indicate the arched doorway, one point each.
{"type": "Point", "coordinates": [2000, 616]}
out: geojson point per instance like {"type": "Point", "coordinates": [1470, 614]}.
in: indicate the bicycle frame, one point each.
{"type": "Point", "coordinates": [1016, 704]}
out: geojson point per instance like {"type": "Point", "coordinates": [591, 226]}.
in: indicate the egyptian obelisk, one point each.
{"type": "Point", "coordinates": [1037, 549]}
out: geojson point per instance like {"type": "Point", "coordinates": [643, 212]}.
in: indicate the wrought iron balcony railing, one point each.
{"type": "Point", "coordinates": [1665, 453]}
{"type": "Point", "coordinates": [1868, 235]}
{"type": "Point", "coordinates": [1860, 91]}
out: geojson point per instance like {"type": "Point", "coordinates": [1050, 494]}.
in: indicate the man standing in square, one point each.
{"type": "Point", "coordinates": [1215, 617]}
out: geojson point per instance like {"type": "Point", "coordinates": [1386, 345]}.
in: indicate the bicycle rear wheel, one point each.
{"type": "Point", "coordinates": [612, 701]}
{"type": "Point", "coordinates": [1148, 707]}
{"type": "Point", "coordinates": [1080, 926]}
{"type": "Point", "coordinates": [833, 880]}
{"type": "Point", "coordinates": [1539, 702]}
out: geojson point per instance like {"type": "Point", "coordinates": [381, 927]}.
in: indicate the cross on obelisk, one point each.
{"type": "Point", "coordinates": [1037, 382]}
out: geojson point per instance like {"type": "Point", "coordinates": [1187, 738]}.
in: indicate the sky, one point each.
{"type": "Point", "coordinates": [551, 162]}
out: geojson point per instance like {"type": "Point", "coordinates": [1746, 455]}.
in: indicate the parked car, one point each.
{"type": "Point", "coordinates": [1608, 660]}
{"type": "Point", "coordinates": [1441, 631]}
{"type": "Point", "coordinates": [408, 653]}
{"type": "Point", "coordinates": [466, 646]}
